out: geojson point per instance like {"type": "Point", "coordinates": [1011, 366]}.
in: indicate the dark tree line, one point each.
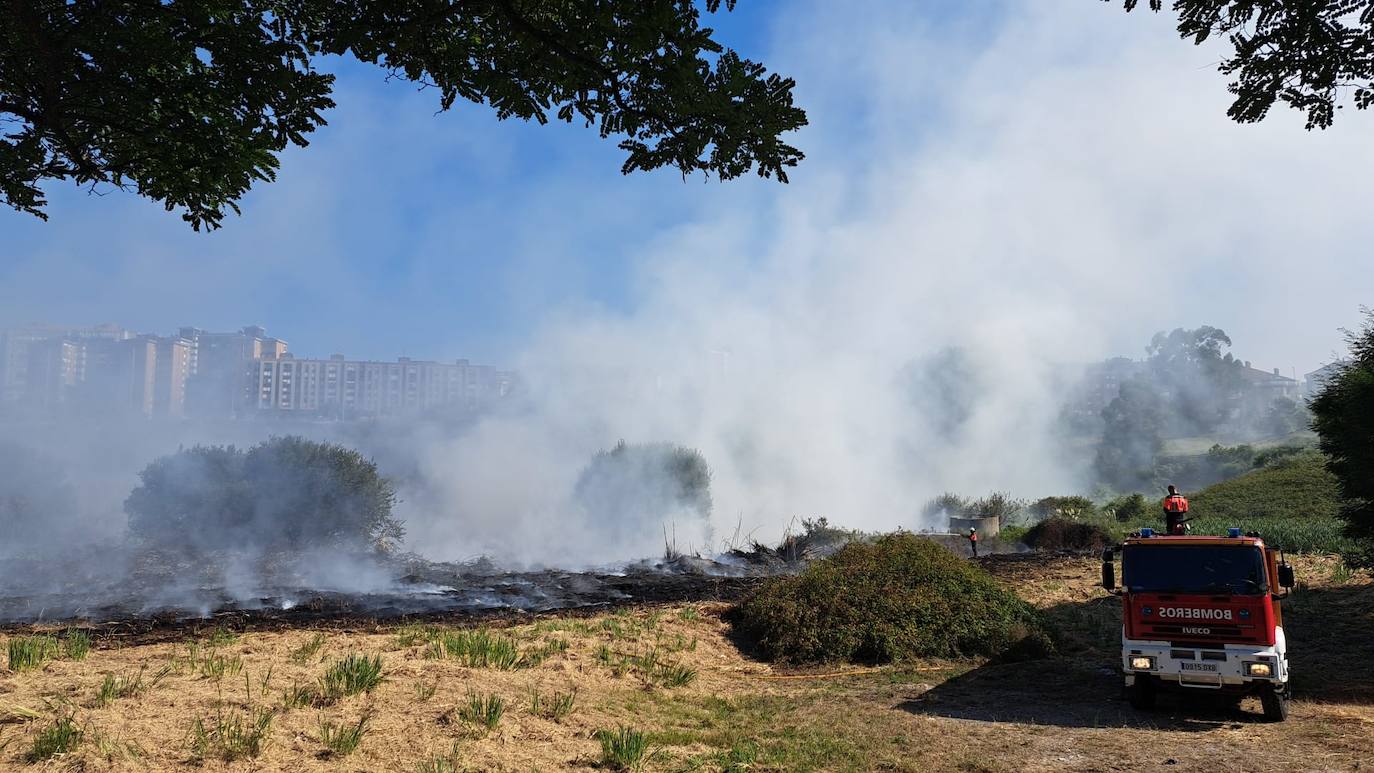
{"type": "Point", "coordinates": [1344, 420]}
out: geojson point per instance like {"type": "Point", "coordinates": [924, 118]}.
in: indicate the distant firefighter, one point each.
{"type": "Point", "coordinates": [973, 540]}
{"type": "Point", "coordinates": [1175, 507]}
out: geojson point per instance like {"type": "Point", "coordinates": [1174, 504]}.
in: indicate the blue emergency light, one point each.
{"type": "Point", "coordinates": [1147, 532]}
{"type": "Point", "coordinates": [1234, 531]}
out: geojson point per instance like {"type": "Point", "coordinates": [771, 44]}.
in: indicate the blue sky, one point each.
{"type": "Point", "coordinates": [397, 231]}
{"type": "Point", "coordinates": [402, 232]}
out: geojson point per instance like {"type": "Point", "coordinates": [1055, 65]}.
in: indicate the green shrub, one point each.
{"type": "Point", "coordinates": [624, 749]}
{"type": "Point", "coordinates": [1129, 508]}
{"type": "Point", "coordinates": [1194, 471]}
{"type": "Point", "coordinates": [1071, 507]}
{"type": "Point", "coordinates": [233, 736]}
{"type": "Point", "coordinates": [61, 737]}
{"type": "Point", "coordinates": [479, 649]}
{"type": "Point", "coordinates": [999, 505]}
{"type": "Point", "coordinates": [1060, 533]}
{"type": "Point", "coordinates": [1271, 457]}
{"type": "Point", "coordinates": [1012, 534]}
{"type": "Point", "coordinates": [26, 652]}
{"type": "Point", "coordinates": [112, 688]}
{"type": "Point", "coordinates": [483, 711]}
{"type": "Point", "coordinates": [341, 740]}
{"type": "Point", "coordinates": [307, 651]}
{"type": "Point", "coordinates": [1295, 535]}
{"type": "Point", "coordinates": [556, 708]}
{"type": "Point", "coordinates": [285, 493]}
{"type": "Point", "coordinates": [676, 675]}
{"type": "Point", "coordinates": [298, 695]}
{"type": "Point", "coordinates": [350, 676]}
{"type": "Point", "coordinates": [76, 643]}
{"type": "Point", "coordinates": [897, 598]}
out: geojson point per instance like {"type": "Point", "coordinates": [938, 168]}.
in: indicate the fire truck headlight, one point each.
{"type": "Point", "coordinates": [1142, 663]}
{"type": "Point", "coordinates": [1258, 669]}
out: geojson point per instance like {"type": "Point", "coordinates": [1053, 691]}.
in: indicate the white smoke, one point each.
{"type": "Point", "coordinates": [1083, 189]}
{"type": "Point", "coordinates": [1046, 188]}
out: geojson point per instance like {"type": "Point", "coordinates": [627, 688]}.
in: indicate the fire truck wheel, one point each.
{"type": "Point", "coordinates": [1142, 693]}
{"type": "Point", "coordinates": [1275, 702]}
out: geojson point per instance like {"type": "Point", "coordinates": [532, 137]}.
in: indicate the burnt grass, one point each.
{"type": "Point", "coordinates": [1060, 713]}
{"type": "Point", "coordinates": [507, 598]}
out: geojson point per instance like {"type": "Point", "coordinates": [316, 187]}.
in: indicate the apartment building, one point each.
{"type": "Point", "coordinates": [339, 388]}
{"type": "Point", "coordinates": [221, 368]}
{"type": "Point", "coordinates": [120, 377]}
{"type": "Point", "coordinates": [106, 370]}
{"type": "Point", "coordinates": [18, 350]}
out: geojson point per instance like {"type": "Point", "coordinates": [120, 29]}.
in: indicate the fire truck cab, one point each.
{"type": "Point", "coordinates": [1202, 614]}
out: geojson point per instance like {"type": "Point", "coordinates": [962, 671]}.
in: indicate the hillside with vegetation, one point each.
{"type": "Point", "coordinates": [1299, 486]}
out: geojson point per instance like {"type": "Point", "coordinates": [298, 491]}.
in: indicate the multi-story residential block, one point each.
{"type": "Point", "coordinates": [121, 377]}
{"type": "Point", "coordinates": [221, 368]}
{"type": "Point", "coordinates": [109, 371]}
{"type": "Point", "coordinates": [343, 389]}
{"type": "Point", "coordinates": [16, 392]}
{"type": "Point", "coordinates": [56, 367]}
{"type": "Point", "coordinates": [172, 374]}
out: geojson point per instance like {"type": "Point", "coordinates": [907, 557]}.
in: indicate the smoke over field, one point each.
{"type": "Point", "coordinates": [903, 319]}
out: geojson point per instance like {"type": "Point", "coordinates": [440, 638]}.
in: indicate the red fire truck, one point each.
{"type": "Point", "coordinates": [1202, 613]}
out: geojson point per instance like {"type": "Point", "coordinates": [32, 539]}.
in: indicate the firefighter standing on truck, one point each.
{"type": "Point", "coordinates": [1175, 507]}
{"type": "Point", "coordinates": [973, 540]}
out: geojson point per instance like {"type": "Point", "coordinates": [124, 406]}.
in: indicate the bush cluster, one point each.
{"type": "Point", "coordinates": [632, 490]}
{"type": "Point", "coordinates": [286, 493]}
{"type": "Point", "coordinates": [1071, 507]}
{"type": "Point", "coordinates": [1060, 533]}
{"type": "Point", "coordinates": [1000, 505]}
{"type": "Point", "coordinates": [897, 598]}
{"type": "Point", "coordinates": [1128, 508]}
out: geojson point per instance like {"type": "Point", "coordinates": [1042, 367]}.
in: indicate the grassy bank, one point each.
{"type": "Point", "coordinates": [610, 692]}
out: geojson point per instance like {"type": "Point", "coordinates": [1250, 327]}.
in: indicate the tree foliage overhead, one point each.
{"type": "Point", "coordinates": [1309, 54]}
{"type": "Point", "coordinates": [190, 103]}
{"type": "Point", "coordinates": [1343, 416]}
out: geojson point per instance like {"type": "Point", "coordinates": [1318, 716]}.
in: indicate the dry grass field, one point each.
{"type": "Point", "coordinates": [666, 689]}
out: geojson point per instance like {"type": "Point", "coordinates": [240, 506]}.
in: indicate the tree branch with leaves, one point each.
{"type": "Point", "coordinates": [1310, 54]}
{"type": "Point", "coordinates": [190, 103]}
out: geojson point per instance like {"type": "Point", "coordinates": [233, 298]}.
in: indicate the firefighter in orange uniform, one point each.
{"type": "Point", "coordinates": [973, 540]}
{"type": "Point", "coordinates": [1175, 507]}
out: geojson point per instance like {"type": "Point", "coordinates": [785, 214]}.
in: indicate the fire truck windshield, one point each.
{"type": "Point", "coordinates": [1163, 568]}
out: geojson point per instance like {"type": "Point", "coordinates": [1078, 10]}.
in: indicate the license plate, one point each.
{"type": "Point", "coordinates": [1198, 666]}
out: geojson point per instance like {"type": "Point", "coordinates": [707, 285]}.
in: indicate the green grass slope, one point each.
{"type": "Point", "coordinates": [1292, 504]}
{"type": "Point", "coordinates": [1297, 487]}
